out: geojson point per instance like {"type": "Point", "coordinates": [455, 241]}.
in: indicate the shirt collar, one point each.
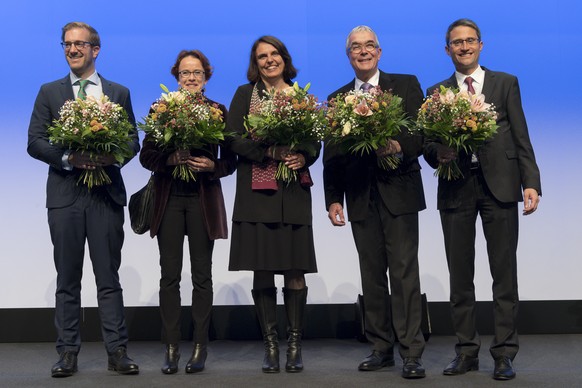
{"type": "Point", "coordinates": [478, 76]}
{"type": "Point", "coordinates": [374, 81]}
{"type": "Point", "coordinates": [94, 78]}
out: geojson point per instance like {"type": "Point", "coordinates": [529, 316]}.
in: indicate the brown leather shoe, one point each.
{"type": "Point", "coordinates": [66, 366]}
{"type": "Point", "coordinates": [503, 369]}
{"type": "Point", "coordinates": [461, 365]}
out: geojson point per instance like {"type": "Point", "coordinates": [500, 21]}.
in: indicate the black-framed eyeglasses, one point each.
{"type": "Point", "coordinates": [79, 44]}
{"type": "Point", "coordinates": [187, 73]}
{"type": "Point", "coordinates": [369, 47]}
{"type": "Point", "coordinates": [459, 42]}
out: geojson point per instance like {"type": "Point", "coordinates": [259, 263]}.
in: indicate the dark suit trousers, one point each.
{"type": "Point", "coordinates": [390, 243]}
{"type": "Point", "coordinates": [500, 226]}
{"type": "Point", "coordinates": [183, 216]}
{"type": "Point", "coordinates": [93, 217]}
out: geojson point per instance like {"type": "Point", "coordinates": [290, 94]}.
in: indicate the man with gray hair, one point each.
{"type": "Point", "coordinates": [383, 208]}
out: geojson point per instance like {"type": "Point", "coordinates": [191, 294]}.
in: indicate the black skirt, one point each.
{"type": "Point", "coordinates": [275, 247]}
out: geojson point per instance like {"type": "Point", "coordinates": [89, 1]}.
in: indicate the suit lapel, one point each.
{"type": "Point", "coordinates": [488, 85]}
{"type": "Point", "coordinates": [66, 89]}
{"type": "Point", "coordinates": [386, 83]}
{"type": "Point", "coordinates": [107, 88]}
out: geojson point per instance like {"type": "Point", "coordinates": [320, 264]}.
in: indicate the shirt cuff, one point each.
{"type": "Point", "coordinates": [65, 161]}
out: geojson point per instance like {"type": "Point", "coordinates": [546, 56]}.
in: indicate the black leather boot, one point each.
{"type": "Point", "coordinates": [295, 301]}
{"type": "Point", "coordinates": [266, 306]}
{"type": "Point", "coordinates": [198, 359]}
{"type": "Point", "coordinates": [172, 357]}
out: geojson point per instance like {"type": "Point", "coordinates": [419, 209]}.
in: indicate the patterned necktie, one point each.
{"type": "Point", "coordinates": [82, 94]}
{"type": "Point", "coordinates": [469, 82]}
{"type": "Point", "coordinates": [366, 86]}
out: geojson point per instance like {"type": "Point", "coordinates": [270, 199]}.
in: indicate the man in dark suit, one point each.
{"type": "Point", "coordinates": [383, 211]}
{"type": "Point", "coordinates": [76, 214]}
{"type": "Point", "coordinates": [491, 186]}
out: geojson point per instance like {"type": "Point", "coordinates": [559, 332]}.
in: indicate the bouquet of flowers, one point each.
{"type": "Point", "coordinates": [459, 120]}
{"type": "Point", "coordinates": [95, 127]}
{"type": "Point", "coordinates": [183, 120]}
{"type": "Point", "coordinates": [290, 117]}
{"type": "Point", "coordinates": [365, 121]}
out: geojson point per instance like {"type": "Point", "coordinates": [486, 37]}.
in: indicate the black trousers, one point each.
{"type": "Point", "coordinates": [96, 219]}
{"type": "Point", "coordinates": [183, 217]}
{"type": "Point", "coordinates": [386, 242]}
{"type": "Point", "coordinates": [500, 227]}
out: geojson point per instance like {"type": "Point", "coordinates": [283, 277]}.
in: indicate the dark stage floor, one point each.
{"type": "Point", "coordinates": [543, 361]}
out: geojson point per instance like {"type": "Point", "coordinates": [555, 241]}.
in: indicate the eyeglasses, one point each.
{"type": "Point", "coordinates": [187, 73]}
{"type": "Point", "coordinates": [79, 44]}
{"type": "Point", "coordinates": [369, 47]}
{"type": "Point", "coordinates": [459, 42]}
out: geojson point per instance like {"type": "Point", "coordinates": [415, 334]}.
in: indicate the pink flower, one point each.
{"type": "Point", "coordinates": [478, 103]}
{"type": "Point", "coordinates": [448, 97]}
{"type": "Point", "coordinates": [363, 109]}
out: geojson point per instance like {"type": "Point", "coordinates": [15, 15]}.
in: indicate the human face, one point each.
{"type": "Point", "coordinates": [81, 61]}
{"type": "Point", "coordinates": [365, 63]}
{"type": "Point", "coordinates": [270, 63]}
{"type": "Point", "coordinates": [191, 82]}
{"type": "Point", "coordinates": [465, 56]}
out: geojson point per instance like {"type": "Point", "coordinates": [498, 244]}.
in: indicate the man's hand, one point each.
{"type": "Point", "coordinates": [393, 147]}
{"type": "Point", "coordinates": [336, 214]}
{"type": "Point", "coordinates": [531, 199]}
{"type": "Point", "coordinates": [87, 162]}
{"type": "Point", "coordinates": [445, 154]}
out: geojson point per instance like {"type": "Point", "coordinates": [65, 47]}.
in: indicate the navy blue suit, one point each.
{"type": "Point", "coordinates": [76, 215]}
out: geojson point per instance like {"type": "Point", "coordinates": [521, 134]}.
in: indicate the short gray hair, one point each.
{"type": "Point", "coordinates": [361, 29]}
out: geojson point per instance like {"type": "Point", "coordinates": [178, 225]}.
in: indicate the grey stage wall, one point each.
{"type": "Point", "coordinates": [323, 321]}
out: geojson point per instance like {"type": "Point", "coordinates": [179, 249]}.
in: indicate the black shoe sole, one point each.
{"type": "Point", "coordinates": [375, 367]}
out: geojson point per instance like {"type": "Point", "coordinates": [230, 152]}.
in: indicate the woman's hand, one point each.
{"type": "Point", "coordinates": [178, 157]}
{"type": "Point", "coordinates": [201, 164]}
{"type": "Point", "coordinates": [294, 161]}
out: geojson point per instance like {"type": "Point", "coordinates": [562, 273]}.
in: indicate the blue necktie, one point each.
{"type": "Point", "coordinates": [366, 86]}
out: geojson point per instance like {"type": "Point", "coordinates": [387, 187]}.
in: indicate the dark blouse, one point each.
{"type": "Point", "coordinates": [291, 203]}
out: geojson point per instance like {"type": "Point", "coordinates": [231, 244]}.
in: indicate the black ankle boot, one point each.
{"type": "Point", "coordinates": [295, 301]}
{"type": "Point", "coordinates": [198, 359]}
{"type": "Point", "coordinates": [172, 357]}
{"type": "Point", "coordinates": [266, 306]}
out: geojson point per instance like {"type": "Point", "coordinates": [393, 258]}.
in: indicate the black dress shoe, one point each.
{"type": "Point", "coordinates": [412, 368]}
{"type": "Point", "coordinates": [503, 369]}
{"type": "Point", "coordinates": [66, 366]}
{"type": "Point", "coordinates": [376, 360]}
{"type": "Point", "coordinates": [196, 362]}
{"type": "Point", "coordinates": [461, 365]}
{"type": "Point", "coordinates": [172, 357]}
{"type": "Point", "coordinates": [119, 362]}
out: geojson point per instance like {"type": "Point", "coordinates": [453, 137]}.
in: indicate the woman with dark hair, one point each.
{"type": "Point", "coordinates": [272, 230]}
{"type": "Point", "coordinates": [187, 208]}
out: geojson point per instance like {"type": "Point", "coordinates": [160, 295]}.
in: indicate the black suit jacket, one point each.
{"type": "Point", "coordinates": [507, 159]}
{"type": "Point", "coordinates": [353, 175]}
{"type": "Point", "coordinates": [62, 188]}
